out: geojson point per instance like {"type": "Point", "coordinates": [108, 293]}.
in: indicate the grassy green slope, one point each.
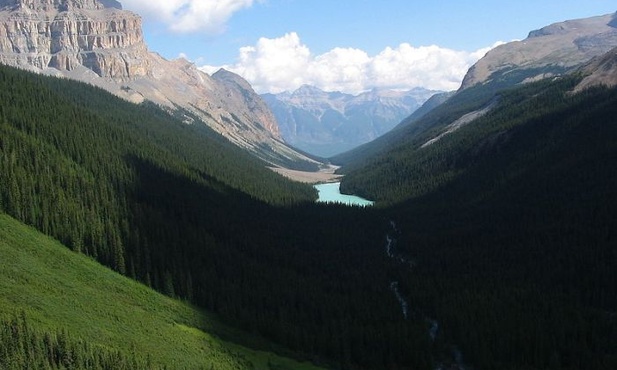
{"type": "Point", "coordinates": [61, 290]}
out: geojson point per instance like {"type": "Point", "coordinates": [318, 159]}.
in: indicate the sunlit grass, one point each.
{"type": "Point", "coordinates": [59, 289]}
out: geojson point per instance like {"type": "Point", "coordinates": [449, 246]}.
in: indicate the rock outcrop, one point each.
{"type": "Point", "coordinates": [95, 41]}
{"type": "Point", "coordinates": [600, 71]}
{"type": "Point", "coordinates": [67, 34]}
{"type": "Point", "coordinates": [552, 50]}
{"type": "Point", "coordinates": [238, 90]}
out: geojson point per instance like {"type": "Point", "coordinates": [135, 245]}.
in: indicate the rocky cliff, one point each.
{"type": "Point", "coordinates": [552, 50]}
{"type": "Point", "coordinates": [95, 41]}
{"type": "Point", "coordinates": [65, 35]}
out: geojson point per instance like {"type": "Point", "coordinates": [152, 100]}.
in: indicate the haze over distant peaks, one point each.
{"type": "Point", "coordinates": [552, 50]}
{"type": "Point", "coordinates": [327, 123]}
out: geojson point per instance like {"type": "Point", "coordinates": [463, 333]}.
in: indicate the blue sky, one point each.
{"type": "Point", "coordinates": [343, 44]}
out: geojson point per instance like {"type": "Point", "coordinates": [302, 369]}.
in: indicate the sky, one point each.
{"type": "Point", "coordinates": [346, 45]}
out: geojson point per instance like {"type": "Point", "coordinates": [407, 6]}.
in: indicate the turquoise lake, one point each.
{"type": "Point", "coordinates": [330, 193]}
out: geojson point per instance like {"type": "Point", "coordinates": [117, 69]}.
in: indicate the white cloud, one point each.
{"type": "Point", "coordinates": [189, 15]}
{"type": "Point", "coordinates": [284, 64]}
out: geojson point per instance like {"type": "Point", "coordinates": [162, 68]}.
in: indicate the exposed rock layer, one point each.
{"type": "Point", "coordinates": [107, 41]}
{"type": "Point", "coordinates": [97, 42]}
{"type": "Point", "coordinates": [51, 5]}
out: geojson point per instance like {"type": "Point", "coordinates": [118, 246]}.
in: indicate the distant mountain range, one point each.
{"type": "Point", "coordinates": [327, 123]}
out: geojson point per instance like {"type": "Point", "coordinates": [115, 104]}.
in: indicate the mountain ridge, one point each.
{"type": "Point", "coordinates": [98, 43]}
{"type": "Point", "coordinates": [327, 123]}
{"type": "Point", "coordinates": [61, 5]}
{"type": "Point", "coordinates": [549, 51]}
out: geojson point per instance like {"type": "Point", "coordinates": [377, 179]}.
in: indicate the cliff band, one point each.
{"type": "Point", "coordinates": [98, 42]}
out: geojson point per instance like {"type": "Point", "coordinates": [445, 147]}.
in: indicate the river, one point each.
{"type": "Point", "coordinates": [330, 193]}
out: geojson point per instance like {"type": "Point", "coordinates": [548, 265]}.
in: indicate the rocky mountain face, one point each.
{"type": "Point", "coordinates": [328, 123]}
{"type": "Point", "coordinates": [258, 109]}
{"type": "Point", "coordinates": [95, 41]}
{"type": "Point", "coordinates": [552, 50]}
{"type": "Point", "coordinates": [63, 35]}
{"type": "Point", "coordinates": [600, 71]}
{"type": "Point", "coordinates": [63, 5]}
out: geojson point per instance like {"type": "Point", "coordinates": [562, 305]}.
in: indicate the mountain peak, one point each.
{"type": "Point", "coordinates": [578, 26]}
{"type": "Point", "coordinates": [240, 92]}
{"type": "Point", "coordinates": [308, 90]}
{"type": "Point", "coordinates": [327, 123]}
{"type": "Point", "coordinates": [224, 75]}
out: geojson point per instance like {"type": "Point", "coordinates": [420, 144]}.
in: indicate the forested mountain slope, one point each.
{"type": "Point", "coordinates": [439, 112]}
{"type": "Point", "coordinates": [552, 51]}
{"type": "Point", "coordinates": [510, 221]}
{"type": "Point", "coordinates": [434, 150]}
{"type": "Point", "coordinates": [185, 212]}
{"type": "Point", "coordinates": [493, 247]}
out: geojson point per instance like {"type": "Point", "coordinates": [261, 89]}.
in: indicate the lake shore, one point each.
{"type": "Point", "coordinates": [324, 175]}
{"type": "Point", "coordinates": [330, 193]}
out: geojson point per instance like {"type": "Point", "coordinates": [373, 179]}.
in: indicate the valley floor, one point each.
{"type": "Point", "coordinates": [325, 174]}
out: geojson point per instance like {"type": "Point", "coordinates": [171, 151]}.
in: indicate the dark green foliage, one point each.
{"type": "Point", "coordinates": [422, 125]}
{"type": "Point", "coordinates": [407, 170]}
{"type": "Point", "coordinates": [411, 131]}
{"type": "Point", "coordinates": [511, 221]}
{"type": "Point", "coordinates": [177, 207]}
{"type": "Point", "coordinates": [24, 347]}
